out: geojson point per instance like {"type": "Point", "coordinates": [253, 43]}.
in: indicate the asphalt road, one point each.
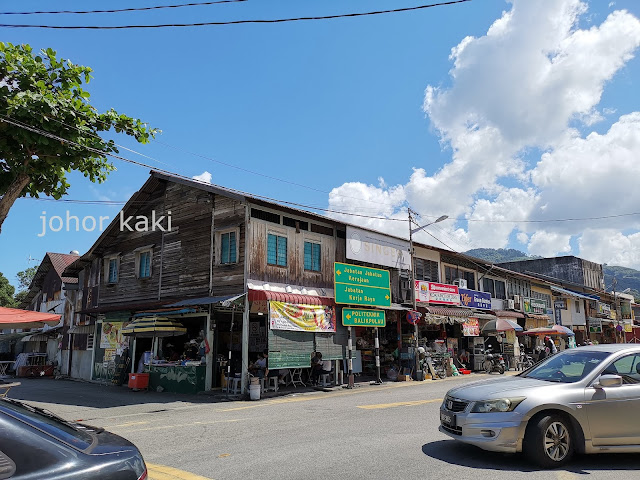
{"type": "Point", "coordinates": [372, 432]}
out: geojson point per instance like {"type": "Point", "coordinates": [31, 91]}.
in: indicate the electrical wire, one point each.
{"type": "Point", "coordinates": [211, 159]}
{"type": "Point", "coordinates": [124, 159]}
{"type": "Point", "coordinates": [237, 22]}
{"type": "Point", "coordinates": [137, 9]}
{"type": "Point", "coordinates": [53, 117]}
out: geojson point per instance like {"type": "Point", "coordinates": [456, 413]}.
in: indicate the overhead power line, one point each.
{"type": "Point", "coordinates": [211, 159]}
{"type": "Point", "coordinates": [118, 10]}
{"type": "Point", "coordinates": [236, 22]}
{"type": "Point", "coordinates": [124, 159]}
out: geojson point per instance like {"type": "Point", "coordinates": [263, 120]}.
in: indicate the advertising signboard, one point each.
{"type": "Point", "coordinates": [356, 285]}
{"type": "Point", "coordinates": [475, 299]}
{"type": "Point", "coordinates": [371, 247]}
{"type": "Point", "coordinates": [360, 317]}
{"type": "Point", "coordinates": [534, 305]}
{"type": "Point", "coordinates": [437, 293]}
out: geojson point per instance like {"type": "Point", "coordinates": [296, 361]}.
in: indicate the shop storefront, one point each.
{"type": "Point", "coordinates": [291, 327]}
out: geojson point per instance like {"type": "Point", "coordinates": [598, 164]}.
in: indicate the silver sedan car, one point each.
{"type": "Point", "coordinates": [584, 400]}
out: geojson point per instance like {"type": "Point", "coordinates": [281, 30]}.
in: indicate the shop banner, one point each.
{"type": "Point", "coordinates": [474, 299]}
{"type": "Point", "coordinates": [111, 338]}
{"type": "Point", "coordinates": [604, 309]}
{"type": "Point", "coordinates": [534, 305]}
{"type": "Point", "coordinates": [471, 328]}
{"type": "Point", "coordinates": [625, 310]}
{"type": "Point", "coordinates": [560, 304]}
{"type": "Point", "coordinates": [377, 249]}
{"type": "Point", "coordinates": [302, 318]}
{"type": "Point", "coordinates": [595, 325]}
{"type": "Point", "coordinates": [557, 313]}
{"type": "Point", "coordinates": [437, 293]}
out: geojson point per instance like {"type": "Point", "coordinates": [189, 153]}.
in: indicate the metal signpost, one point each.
{"type": "Point", "coordinates": [356, 285]}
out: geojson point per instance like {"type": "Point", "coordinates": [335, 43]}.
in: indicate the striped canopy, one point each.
{"type": "Point", "coordinates": [154, 327]}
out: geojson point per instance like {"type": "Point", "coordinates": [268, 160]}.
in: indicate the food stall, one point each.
{"type": "Point", "coordinates": [181, 370]}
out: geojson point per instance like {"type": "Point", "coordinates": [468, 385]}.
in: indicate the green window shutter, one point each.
{"type": "Point", "coordinates": [271, 249]}
{"type": "Point", "coordinates": [282, 251]}
{"type": "Point", "coordinates": [232, 247]}
{"type": "Point", "coordinates": [315, 260]}
{"type": "Point", "coordinates": [224, 248]}
{"type": "Point", "coordinates": [307, 255]}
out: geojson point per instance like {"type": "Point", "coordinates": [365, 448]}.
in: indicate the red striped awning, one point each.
{"type": "Point", "coordinates": [449, 311]}
{"type": "Point", "coordinates": [507, 314]}
{"type": "Point", "coordinates": [257, 295]}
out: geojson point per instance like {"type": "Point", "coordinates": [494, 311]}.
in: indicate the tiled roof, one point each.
{"type": "Point", "coordinates": [60, 261]}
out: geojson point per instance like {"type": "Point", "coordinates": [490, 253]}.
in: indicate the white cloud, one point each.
{"type": "Point", "coordinates": [204, 177]}
{"type": "Point", "coordinates": [612, 247]}
{"type": "Point", "coordinates": [549, 244]}
{"type": "Point", "coordinates": [532, 83]}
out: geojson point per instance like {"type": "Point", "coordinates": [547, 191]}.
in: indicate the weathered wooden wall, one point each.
{"type": "Point", "coordinates": [294, 273]}
{"type": "Point", "coordinates": [181, 256]}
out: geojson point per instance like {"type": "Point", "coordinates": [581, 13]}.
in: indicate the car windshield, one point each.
{"type": "Point", "coordinates": [567, 367]}
{"type": "Point", "coordinates": [48, 423]}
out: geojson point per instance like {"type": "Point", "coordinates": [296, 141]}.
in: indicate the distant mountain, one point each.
{"type": "Point", "coordinates": [625, 277]}
{"type": "Point", "coordinates": [499, 255]}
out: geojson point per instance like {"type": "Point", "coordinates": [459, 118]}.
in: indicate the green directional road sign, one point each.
{"type": "Point", "coordinates": [356, 285]}
{"type": "Point", "coordinates": [360, 317]}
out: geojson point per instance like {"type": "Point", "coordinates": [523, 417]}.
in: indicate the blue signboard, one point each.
{"type": "Point", "coordinates": [558, 314]}
{"type": "Point", "coordinates": [474, 299]}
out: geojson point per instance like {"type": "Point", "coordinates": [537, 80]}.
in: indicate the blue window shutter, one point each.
{"type": "Point", "coordinates": [282, 251]}
{"type": "Point", "coordinates": [307, 255]}
{"type": "Point", "coordinates": [232, 247]}
{"type": "Point", "coordinates": [271, 249]}
{"type": "Point", "coordinates": [315, 264]}
{"type": "Point", "coordinates": [224, 248]}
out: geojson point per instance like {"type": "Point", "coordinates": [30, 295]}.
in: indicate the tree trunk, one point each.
{"type": "Point", "coordinates": [13, 192]}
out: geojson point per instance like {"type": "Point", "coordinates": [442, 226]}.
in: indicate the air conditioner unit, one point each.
{"type": "Point", "coordinates": [460, 282]}
{"type": "Point", "coordinates": [517, 300]}
{"type": "Point", "coordinates": [511, 305]}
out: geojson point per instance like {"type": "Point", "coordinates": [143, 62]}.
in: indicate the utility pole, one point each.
{"type": "Point", "coordinates": [413, 294]}
{"type": "Point", "coordinates": [412, 278]}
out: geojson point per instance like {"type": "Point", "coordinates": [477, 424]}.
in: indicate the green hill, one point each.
{"type": "Point", "coordinates": [625, 277]}
{"type": "Point", "coordinates": [499, 255]}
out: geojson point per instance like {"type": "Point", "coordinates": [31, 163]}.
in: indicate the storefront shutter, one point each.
{"type": "Point", "coordinates": [333, 346]}
{"type": "Point", "coordinates": [289, 349]}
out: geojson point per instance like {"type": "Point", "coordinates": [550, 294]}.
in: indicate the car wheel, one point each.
{"type": "Point", "coordinates": [548, 442]}
{"type": "Point", "coordinates": [488, 366]}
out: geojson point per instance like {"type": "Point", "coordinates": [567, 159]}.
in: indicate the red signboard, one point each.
{"type": "Point", "coordinates": [437, 293]}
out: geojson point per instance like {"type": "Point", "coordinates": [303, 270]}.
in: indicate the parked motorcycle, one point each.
{"type": "Point", "coordinates": [493, 362]}
{"type": "Point", "coordinates": [526, 361]}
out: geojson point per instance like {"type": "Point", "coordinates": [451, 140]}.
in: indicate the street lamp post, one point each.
{"type": "Point", "coordinates": [412, 279]}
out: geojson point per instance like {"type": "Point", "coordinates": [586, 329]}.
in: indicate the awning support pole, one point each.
{"type": "Point", "coordinates": [350, 362]}
{"type": "Point", "coordinates": [377, 345]}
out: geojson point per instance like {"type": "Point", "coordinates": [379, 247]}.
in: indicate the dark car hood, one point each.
{"type": "Point", "coordinates": [498, 387]}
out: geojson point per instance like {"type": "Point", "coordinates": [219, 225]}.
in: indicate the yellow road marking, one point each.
{"type": "Point", "coordinates": [162, 472]}
{"type": "Point", "coordinates": [399, 404]}
{"type": "Point", "coordinates": [164, 427]}
{"type": "Point", "coordinates": [130, 424]}
{"type": "Point", "coordinates": [308, 398]}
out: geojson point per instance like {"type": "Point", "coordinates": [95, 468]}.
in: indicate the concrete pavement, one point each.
{"type": "Point", "coordinates": [387, 431]}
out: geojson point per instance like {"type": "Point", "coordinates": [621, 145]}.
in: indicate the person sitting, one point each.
{"type": "Point", "coordinates": [259, 367]}
{"type": "Point", "coordinates": [322, 367]}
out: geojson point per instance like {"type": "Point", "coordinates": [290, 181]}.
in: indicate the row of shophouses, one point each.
{"type": "Point", "coordinates": [235, 271]}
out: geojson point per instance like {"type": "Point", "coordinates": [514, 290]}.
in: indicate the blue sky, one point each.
{"type": "Point", "coordinates": [334, 104]}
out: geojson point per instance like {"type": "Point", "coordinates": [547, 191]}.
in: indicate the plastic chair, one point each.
{"type": "Point", "coordinates": [233, 385]}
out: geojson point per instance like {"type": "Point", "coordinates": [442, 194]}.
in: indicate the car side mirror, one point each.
{"type": "Point", "coordinates": [608, 381]}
